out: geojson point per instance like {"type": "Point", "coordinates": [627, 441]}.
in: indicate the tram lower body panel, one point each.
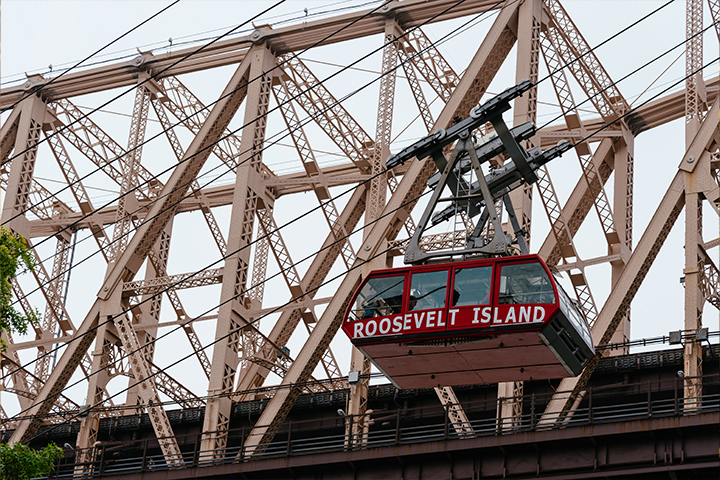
{"type": "Point", "coordinates": [553, 351]}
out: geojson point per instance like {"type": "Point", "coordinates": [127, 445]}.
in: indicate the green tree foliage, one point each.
{"type": "Point", "coordinates": [20, 462]}
{"type": "Point", "coordinates": [15, 259]}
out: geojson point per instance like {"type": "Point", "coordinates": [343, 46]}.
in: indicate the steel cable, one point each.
{"type": "Point", "coordinates": [591, 135]}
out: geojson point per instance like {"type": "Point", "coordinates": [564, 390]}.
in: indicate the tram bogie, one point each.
{"type": "Point", "coordinates": [480, 321]}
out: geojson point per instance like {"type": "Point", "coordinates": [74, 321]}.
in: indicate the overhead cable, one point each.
{"type": "Point", "coordinates": [628, 112]}
{"type": "Point", "coordinates": [35, 91]}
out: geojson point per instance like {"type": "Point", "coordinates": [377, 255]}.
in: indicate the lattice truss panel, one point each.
{"type": "Point", "coordinates": [192, 237]}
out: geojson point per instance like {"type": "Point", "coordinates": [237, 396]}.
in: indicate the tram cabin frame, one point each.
{"type": "Point", "coordinates": [502, 319]}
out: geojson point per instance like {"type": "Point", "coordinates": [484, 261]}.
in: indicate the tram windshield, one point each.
{"type": "Point", "coordinates": [472, 286]}
{"type": "Point", "coordinates": [525, 283]}
{"type": "Point", "coordinates": [379, 296]}
{"type": "Point", "coordinates": [427, 290]}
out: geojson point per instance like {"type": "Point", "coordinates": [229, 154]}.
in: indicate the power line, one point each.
{"type": "Point", "coordinates": [443, 39]}
{"type": "Point", "coordinates": [292, 221]}
{"type": "Point", "coordinates": [227, 136]}
{"type": "Point", "coordinates": [346, 192]}
{"type": "Point", "coordinates": [329, 281]}
{"type": "Point", "coordinates": [453, 33]}
{"type": "Point", "coordinates": [240, 328]}
{"type": "Point", "coordinates": [273, 232]}
{"type": "Point", "coordinates": [586, 138]}
{"type": "Point", "coordinates": [251, 242]}
{"type": "Point", "coordinates": [632, 25]}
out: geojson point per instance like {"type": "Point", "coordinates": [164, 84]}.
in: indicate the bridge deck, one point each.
{"type": "Point", "coordinates": [633, 420]}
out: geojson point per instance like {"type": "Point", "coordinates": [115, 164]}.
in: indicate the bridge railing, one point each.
{"type": "Point", "coordinates": [599, 405]}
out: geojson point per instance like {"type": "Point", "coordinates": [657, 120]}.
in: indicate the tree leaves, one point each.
{"type": "Point", "coordinates": [15, 258]}
{"type": "Point", "coordinates": [20, 462]}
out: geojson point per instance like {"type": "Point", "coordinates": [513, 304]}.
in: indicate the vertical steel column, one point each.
{"type": "Point", "coordinates": [89, 423]}
{"type": "Point", "coordinates": [127, 202]}
{"type": "Point", "coordinates": [694, 297]}
{"type": "Point", "coordinates": [623, 212]}
{"type": "Point", "coordinates": [357, 429]}
{"type": "Point", "coordinates": [234, 301]}
{"type": "Point", "coordinates": [694, 263]}
{"type": "Point", "coordinates": [694, 84]}
{"type": "Point", "coordinates": [130, 164]}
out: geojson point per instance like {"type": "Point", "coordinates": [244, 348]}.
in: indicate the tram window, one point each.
{"type": "Point", "coordinates": [380, 296]}
{"type": "Point", "coordinates": [572, 312]}
{"type": "Point", "coordinates": [472, 286]}
{"type": "Point", "coordinates": [525, 283]}
{"type": "Point", "coordinates": [427, 290]}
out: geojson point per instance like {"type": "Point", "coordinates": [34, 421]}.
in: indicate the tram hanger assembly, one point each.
{"type": "Point", "coordinates": [487, 316]}
{"type": "Point", "coordinates": [480, 196]}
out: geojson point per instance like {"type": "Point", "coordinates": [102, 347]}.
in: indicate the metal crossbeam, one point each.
{"type": "Point", "coordinates": [335, 154]}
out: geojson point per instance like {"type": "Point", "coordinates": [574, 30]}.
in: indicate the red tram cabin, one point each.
{"type": "Point", "coordinates": [471, 322]}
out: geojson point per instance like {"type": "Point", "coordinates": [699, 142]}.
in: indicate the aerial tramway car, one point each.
{"type": "Point", "coordinates": [489, 316]}
{"type": "Point", "coordinates": [480, 321]}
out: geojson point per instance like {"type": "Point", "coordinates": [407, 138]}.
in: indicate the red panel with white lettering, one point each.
{"type": "Point", "coordinates": [400, 317]}
{"type": "Point", "coordinates": [424, 321]}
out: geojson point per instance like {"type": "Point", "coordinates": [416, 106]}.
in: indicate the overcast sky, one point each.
{"type": "Point", "coordinates": [47, 37]}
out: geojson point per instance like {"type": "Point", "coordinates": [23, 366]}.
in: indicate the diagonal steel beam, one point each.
{"type": "Point", "coordinates": [584, 64]}
{"type": "Point", "coordinates": [327, 112]}
{"type": "Point", "coordinates": [8, 134]}
{"type": "Point", "coordinates": [636, 268]}
{"type": "Point", "coordinates": [482, 68]}
{"type": "Point", "coordinates": [141, 243]}
{"type": "Point", "coordinates": [577, 207]}
{"type": "Point", "coordinates": [99, 147]}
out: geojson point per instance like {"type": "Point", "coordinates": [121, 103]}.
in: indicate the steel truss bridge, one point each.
{"type": "Point", "coordinates": [633, 422]}
{"type": "Point", "coordinates": [117, 337]}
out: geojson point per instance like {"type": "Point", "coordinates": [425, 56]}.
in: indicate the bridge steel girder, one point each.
{"type": "Point", "coordinates": [256, 189]}
{"type": "Point", "coordinates": [474, 83]}
{"type": "Point", "coordinates": [128, 263]}
{"type": "Point", "coordinates": [646, 251]}
{"type": "Point", "coordinates": [681, 447]}
{"type": "Point", "coordinates": [356, 432]}
{"type": "Point", "coordinates": [293, 38]}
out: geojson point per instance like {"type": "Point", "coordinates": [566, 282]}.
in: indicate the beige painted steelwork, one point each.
{"type": "Point", "coordinates": [125, 318]}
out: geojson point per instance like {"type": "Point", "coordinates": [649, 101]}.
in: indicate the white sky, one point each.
{"type": "Point", "coordinates": [37, 34]}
